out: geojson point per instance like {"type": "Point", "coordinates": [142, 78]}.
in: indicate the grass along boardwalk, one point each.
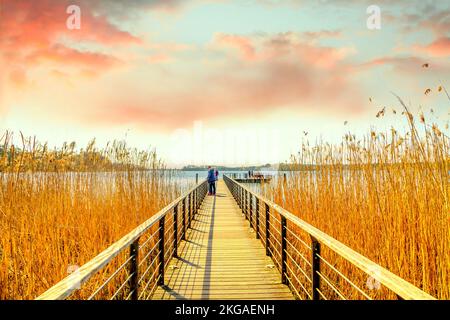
{"type": "Point", "coordinates": [222, 259]}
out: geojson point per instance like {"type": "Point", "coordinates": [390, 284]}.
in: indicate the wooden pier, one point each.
{"type": "Point", "coordinates": [222, 259]}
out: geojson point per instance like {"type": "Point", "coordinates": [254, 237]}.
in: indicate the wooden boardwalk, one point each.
{"type": "Point", "coordinates": [221, 258]}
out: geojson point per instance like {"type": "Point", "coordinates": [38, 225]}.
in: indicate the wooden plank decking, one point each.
{"type": "Point", "coordinates": [221, 258]}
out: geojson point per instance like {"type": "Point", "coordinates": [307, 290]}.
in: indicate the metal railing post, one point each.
{"type": "Point", "coordinates": [250, 210]}
{"type": "Point", "coordinates": [241, 195]}
{"type": "Point", "coordinates": [195, 202]}
{"type": "Point", "coordinates": [204, 191]}
{"type": "Point", "coordinates": [315, 248]}
{"type": "Point", "coordinates": [161, 251]}
{"type": "Point", "coordinates": [257, 218]}
{"type": "Point", "coordinates": [175, 231]}
{"type": "Point", "coordinates": [134, 269]}
{"type": "Point", "coordinates": [245, 204]}
{"type": "Point", "coordinates": [189, 210]}
{"type": "Point", "coordinates": [283, 250]}
{"type": "Point", "coordinates": [184, 219]}
{"type": "Point", "coordinates": [267, 230]}
{"type": "Point", "coordinates": [192, 208]}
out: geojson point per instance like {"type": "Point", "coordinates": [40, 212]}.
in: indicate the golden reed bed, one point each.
{"type": "Point", "coordinates": [385, 195]}
{"type": "Point", "coordinates": [59, 209]}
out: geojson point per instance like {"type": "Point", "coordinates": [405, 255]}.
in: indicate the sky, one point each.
{"type": "Point", "coordinates": [217, 81]}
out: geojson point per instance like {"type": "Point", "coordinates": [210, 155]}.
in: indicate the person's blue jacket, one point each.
{"type": "Point", "coordinates": [211, 176]}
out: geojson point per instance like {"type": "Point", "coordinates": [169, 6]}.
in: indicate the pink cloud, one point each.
{"type": "Point", "coordinates": [32, 33]}
{"type": "Point", "coordinates": [264, 74]}
{"type": "Point", "coordinates": [22, 27]}
{"type": "Point", "coordinates": [438, 48]}
{"type": "Point", "coordinates": [60, 54]}
{"type": "Point", "coordinates": [242, 44]}
{"type": "Point", "coordinates": [304, 46]}
{"type": "Point", "coordinates": [407, 63]}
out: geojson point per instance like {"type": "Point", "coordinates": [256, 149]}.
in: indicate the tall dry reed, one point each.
{"type": "Point", "coordinates": [61, 207]}
{"type": "Point", "coordinates": [386, 195]}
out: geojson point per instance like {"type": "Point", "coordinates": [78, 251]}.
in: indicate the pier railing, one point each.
{"type": "Point", "coordinates": [134, 266]}
{"type": "Point", "coordinates": [313, 264]}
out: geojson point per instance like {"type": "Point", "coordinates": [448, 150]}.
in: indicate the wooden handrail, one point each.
{"type": "Point", "coordinates": [68, 285]}
{"type": "Point", "coordinates": [401, 287]}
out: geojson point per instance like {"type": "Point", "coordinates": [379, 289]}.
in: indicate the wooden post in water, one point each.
{"type": "Point", "coordinates": [196, 178]}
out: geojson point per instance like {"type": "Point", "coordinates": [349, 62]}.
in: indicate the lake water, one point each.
{"type": "Point", "coordinates": [183, 178]}
{"type": "Point", "coordinates": [187, 179]}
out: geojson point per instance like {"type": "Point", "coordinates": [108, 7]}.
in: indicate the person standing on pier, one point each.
{"type": "Point", "coordinates": [216, 174]}
{"type": "Point", "coordinates": [211, 181]}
